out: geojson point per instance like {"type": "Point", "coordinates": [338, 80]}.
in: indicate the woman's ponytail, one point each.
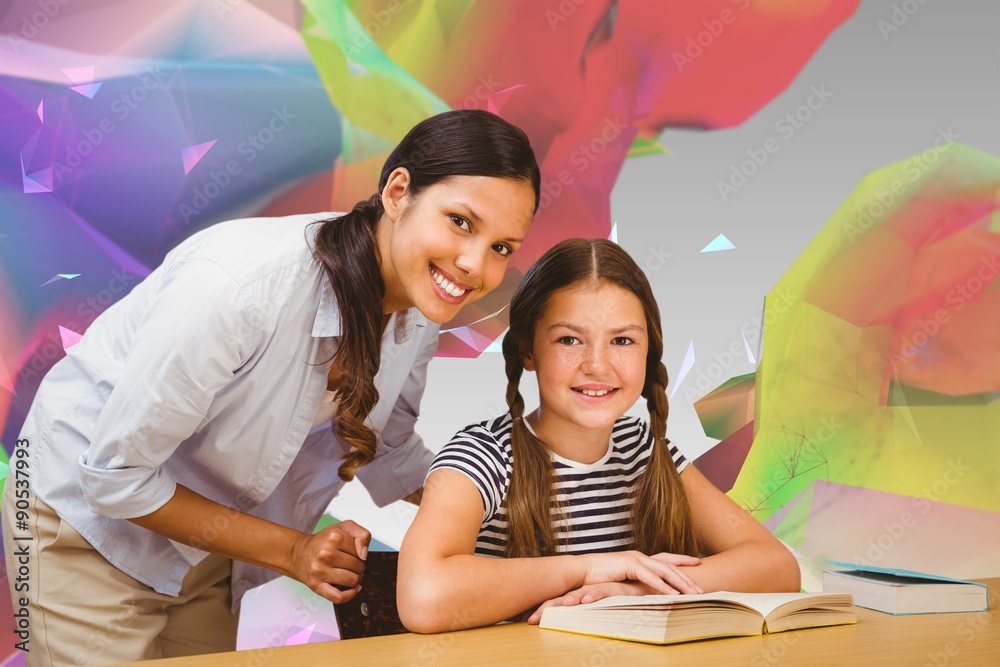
{"type": "Point", "coordinates": [347, 249]}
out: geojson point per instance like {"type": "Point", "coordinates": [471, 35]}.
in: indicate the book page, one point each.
{"type": "Point", "coordinates": [766, 603]}
{"type": "Point", "coordinates": [763, 603]}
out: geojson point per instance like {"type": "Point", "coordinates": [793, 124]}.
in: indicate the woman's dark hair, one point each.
{"type": "Point", "coordinates": [661, 514]}
{"type": "Point", "coordinates": [455, 143]}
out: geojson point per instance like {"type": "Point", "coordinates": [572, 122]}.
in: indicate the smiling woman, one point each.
{"type": "Point", "coordinates": [194, 436]}
{"type": "Point", "coordinates": [419, 244]}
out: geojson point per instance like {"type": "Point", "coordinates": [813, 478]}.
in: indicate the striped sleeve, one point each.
{"type": "Point", "coordinates": [475, 452]}
{"type": "Point", "coordinates": [680, 461]}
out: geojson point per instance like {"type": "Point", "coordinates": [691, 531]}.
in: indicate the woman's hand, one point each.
{"type": "Point", "coordinates": [660, 572]}
{"type": "Point", "coordinates": [592, 593]}
{"type": "Point", "coordinates": [332, 561]}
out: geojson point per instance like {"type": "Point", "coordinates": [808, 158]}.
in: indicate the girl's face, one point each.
{"type": "Point", "coordinates": [589, 354]}
{"type": "Point", "coordinates": [450, 246]}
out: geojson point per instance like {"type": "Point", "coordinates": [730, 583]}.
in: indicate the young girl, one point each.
{"type": "Point", "coordinates": [575, 502]}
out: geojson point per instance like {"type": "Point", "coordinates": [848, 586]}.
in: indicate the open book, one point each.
{"type": "Point", "coordinates": [665, 619]}
{"type": "Point", "coordinates": [903, 591]}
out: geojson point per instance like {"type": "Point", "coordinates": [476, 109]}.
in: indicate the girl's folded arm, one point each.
{"type": "Point", "coordinates": [443, 586]}
{"type": "Point", "coordinates": [741, 555]}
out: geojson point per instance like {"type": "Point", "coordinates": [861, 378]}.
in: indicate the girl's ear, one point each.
{"type": "Point", "coordinates": [395, 194]}
{"type": "Point", "coordinates": [526, 360]}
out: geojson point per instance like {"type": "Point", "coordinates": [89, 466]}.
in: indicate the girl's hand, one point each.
{"type": "Point", "coordinates": [592, 593]}
{"type": "Point", "coordinates": [661, 572]}
{"type": "Point", "coordinates": [332, 561]}
{"type": "Point", "coordinates": [676, 559]}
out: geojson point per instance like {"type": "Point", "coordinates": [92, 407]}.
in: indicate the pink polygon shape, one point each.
{"type": "Point", "coordinates": [193, 154]}
{"type": "Point", "coordinates": [88, 90]}
{"type": "Point", "coordinates": [69, 338]}
{"type": "Point", "coordinates": [79, 75]}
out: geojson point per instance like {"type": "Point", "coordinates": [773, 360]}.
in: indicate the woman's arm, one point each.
{"type": "Point", "coordinates": [742, 553]}
{"type": "Point", "coordinates": [442, 586]}
{"type": "Point", "coordinates": [334, 556]}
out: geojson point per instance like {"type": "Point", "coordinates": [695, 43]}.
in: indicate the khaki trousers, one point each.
{"type": "Point", "coordinates": [82, 610]}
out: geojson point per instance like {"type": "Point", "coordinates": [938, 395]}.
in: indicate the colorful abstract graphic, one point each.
{"type": "Point", "coordinates": [875, 406]}
{"type": "Point", "coordinates": [726, 413]}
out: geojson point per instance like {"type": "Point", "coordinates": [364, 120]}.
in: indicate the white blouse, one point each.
{"type": "Point", "coordinates": [210, 374]}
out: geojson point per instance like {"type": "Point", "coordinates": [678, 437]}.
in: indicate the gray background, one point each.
{"type": "Point", "coordinates": [890, 97]}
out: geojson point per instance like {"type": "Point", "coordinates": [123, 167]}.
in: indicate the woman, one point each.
{"type": "Point", "coordinates": [219, 407]}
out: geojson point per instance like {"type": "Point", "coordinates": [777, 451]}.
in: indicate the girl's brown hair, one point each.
{"type": "Point", "coordinates": [661, 515]}
{"type": "Point", "coordinates": [455, 143]}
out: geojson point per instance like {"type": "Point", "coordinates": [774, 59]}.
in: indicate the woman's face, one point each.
{"type": "Point", "coordinates": [450, 246]}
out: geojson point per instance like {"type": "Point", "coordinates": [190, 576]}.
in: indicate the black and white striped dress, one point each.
{"type": "Point", "coordinates": [594, 498]}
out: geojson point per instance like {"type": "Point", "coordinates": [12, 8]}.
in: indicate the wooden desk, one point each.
{"type": "Point", "coordinates": [937, 640]}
